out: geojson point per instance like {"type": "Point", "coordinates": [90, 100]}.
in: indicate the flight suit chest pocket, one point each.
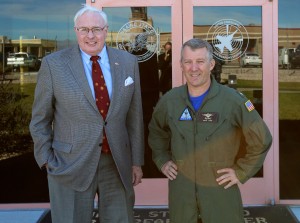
{"type": "Point", "coordinates": [211, 125]}
{"type": "Point", "coordinates": [183, 127]}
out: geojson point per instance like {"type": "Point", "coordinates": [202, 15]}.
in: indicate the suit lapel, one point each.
{"type": "Point", "coordinates": [76, 66]}
{"type": "Point", "coordinates": [116, 73]}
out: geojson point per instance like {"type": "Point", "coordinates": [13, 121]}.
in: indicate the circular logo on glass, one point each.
{"type": "Point", "coordinates": [138, 38]}
{"type": "Point", "coordinates": [229, 39]}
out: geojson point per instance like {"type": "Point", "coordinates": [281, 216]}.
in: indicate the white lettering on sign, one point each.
{"type": "Point", "coordinates": [162, 216]}
{"type": "Point", "coordinates": [261, 220]}
{"type": "Point", "coordinates": [255, 220]}
{"type": "Point", "coordinates": [246, 213]}
{"type": "Point", "coordinates": [155, 214]}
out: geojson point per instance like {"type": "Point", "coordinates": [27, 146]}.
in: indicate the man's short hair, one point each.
{"type": "Point", "coordinates": [196, 43]}
{"type": "Point", "coordinates": [87, 8]}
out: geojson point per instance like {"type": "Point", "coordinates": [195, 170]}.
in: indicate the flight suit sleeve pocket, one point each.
{"type": "Point", "coordinates": [62, 146]}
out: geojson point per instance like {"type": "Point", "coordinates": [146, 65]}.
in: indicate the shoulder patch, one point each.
{"type": "Point", "coordinates": [250, 107]}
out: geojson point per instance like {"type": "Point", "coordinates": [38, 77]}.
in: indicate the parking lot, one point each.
{"type": "Point", "coordinates": [254, 73]}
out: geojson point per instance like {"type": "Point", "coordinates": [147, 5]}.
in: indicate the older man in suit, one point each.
{"type": "Point", "coordinates": [85, 149]}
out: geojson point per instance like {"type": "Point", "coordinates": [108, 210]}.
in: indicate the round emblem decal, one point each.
{"type": "Point", "coordinates": [138, 38]}
{"type": "Point", "coordinates": [229, 39]}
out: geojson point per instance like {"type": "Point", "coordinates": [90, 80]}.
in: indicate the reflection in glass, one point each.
{"type": "Point", "coordinates": [241, 27]}
{"type": "Point", "coordinates": [29, 30]}
{"type": "Point", "coordinates": [143, 31]}
{"type": "Point", "coordinates": [236, 36]}
{"type": "Point", "coordinates": [289, 99]}
{"type": "Point", "coordinates": [42, 30]}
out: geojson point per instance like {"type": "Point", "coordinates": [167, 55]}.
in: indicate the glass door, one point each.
{"type": "Point", "coordinates": [247, 63]}
{"type": "Point", "coordinates": [289, 101]}
{"type": "Point", "coordinates": [244, 49]}
{"type": "Point", "coordinates": [244, 44]}
{"type": "Point", "coordinates": [148, 29]}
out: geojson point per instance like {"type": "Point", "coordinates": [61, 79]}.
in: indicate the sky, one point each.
{"type": "Point", "coordinates": [54, 19]}
{"type": "Point", "coordinates": [210, 15]}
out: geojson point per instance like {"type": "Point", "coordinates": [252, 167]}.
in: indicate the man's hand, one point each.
{"type": "Point", "coordinates": [228, 176]}
{"type": "Point", "coordinates": [167, 53]}
{"type": "Point", "coordinates": [137, 175]}
{"type": "Point", "coordinates": [45, 166]}
{"type": "Point", "coordinates": [169, 169]}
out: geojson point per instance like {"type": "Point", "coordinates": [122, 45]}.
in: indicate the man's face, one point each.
{"type": "Point", "coordinates": [168, 47]}
{"type": "Point", "coordinates": [196, 67]}
{"type": "Point", "coordinates": [91, 43]}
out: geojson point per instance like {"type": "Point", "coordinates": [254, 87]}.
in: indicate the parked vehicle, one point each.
{"type": "Point", "coordinates": [250, 59]}
{"type": "Point", "coordinates": [295, 58]}
{"type": "Point", "coordinates": [22, 59]}
{"type": "Point", "coordinates": [284, 57]}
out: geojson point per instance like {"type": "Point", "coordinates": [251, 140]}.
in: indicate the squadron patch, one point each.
{"type": "Point", "coordinates": [250, 107]}
{"type": "Point", "coordinates": [185, 116]}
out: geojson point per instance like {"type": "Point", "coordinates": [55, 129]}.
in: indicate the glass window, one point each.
{"type": "Point", "coordinates": [289, 98]}
{"type": "Point", "coordinates": [235, 34]}
{"type": "Point", "coordinates": [146, 33]}
{"type": "Point", "coordinates": [29, 30]}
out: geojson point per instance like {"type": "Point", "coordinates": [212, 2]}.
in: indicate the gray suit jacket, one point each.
{"type": "Point", "coordinates": [67, 127]}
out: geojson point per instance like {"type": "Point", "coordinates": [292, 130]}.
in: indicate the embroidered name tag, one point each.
{"type": "Point", "coordinates": [211, 117]}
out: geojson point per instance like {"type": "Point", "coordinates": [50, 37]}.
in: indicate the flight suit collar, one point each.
{"type": "Point", "coordinates": [213, 91]}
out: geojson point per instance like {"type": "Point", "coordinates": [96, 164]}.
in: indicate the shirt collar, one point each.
{"type": "Point", "coordinates": [213, 89]}
{"type": "Point", "coordinates": [103, 54]}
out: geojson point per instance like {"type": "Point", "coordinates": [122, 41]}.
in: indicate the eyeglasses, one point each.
{"type": "Point", "coordinates": [86, 30]}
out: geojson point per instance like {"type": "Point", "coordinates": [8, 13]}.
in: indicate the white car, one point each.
{"type": "Point", "coordinates": [250, 59]}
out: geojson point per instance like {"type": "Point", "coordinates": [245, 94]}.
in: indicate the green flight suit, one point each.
{"type": "Point", "coordinates": [201, 142]}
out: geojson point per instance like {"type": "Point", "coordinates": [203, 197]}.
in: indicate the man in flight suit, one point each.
{"type": "Point", "coordinates": [205, 122]}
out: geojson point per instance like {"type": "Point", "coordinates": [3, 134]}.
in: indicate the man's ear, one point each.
{"type": "Point", "coordinates": [212, 64]}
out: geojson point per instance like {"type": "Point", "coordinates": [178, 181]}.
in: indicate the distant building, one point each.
{"type": "Point", "coordinates": [35, 46]}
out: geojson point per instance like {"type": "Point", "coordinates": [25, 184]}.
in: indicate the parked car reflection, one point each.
{"type": "Point", "coordinates": [23, 59]}
{"type": "Point", "coordinates": [250, 59]}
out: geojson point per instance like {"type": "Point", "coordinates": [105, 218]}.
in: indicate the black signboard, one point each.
{"type": "Point", "coordinates": [252, 214]}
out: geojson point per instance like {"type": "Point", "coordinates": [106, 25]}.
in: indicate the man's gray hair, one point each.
{"type": "Point", "coordinates": [88, 8]}
{"type": "Point", "coordinates": [196, 43]}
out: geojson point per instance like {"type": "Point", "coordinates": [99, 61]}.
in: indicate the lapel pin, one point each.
{"type": "Point", "coordinates": [116, 63]}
